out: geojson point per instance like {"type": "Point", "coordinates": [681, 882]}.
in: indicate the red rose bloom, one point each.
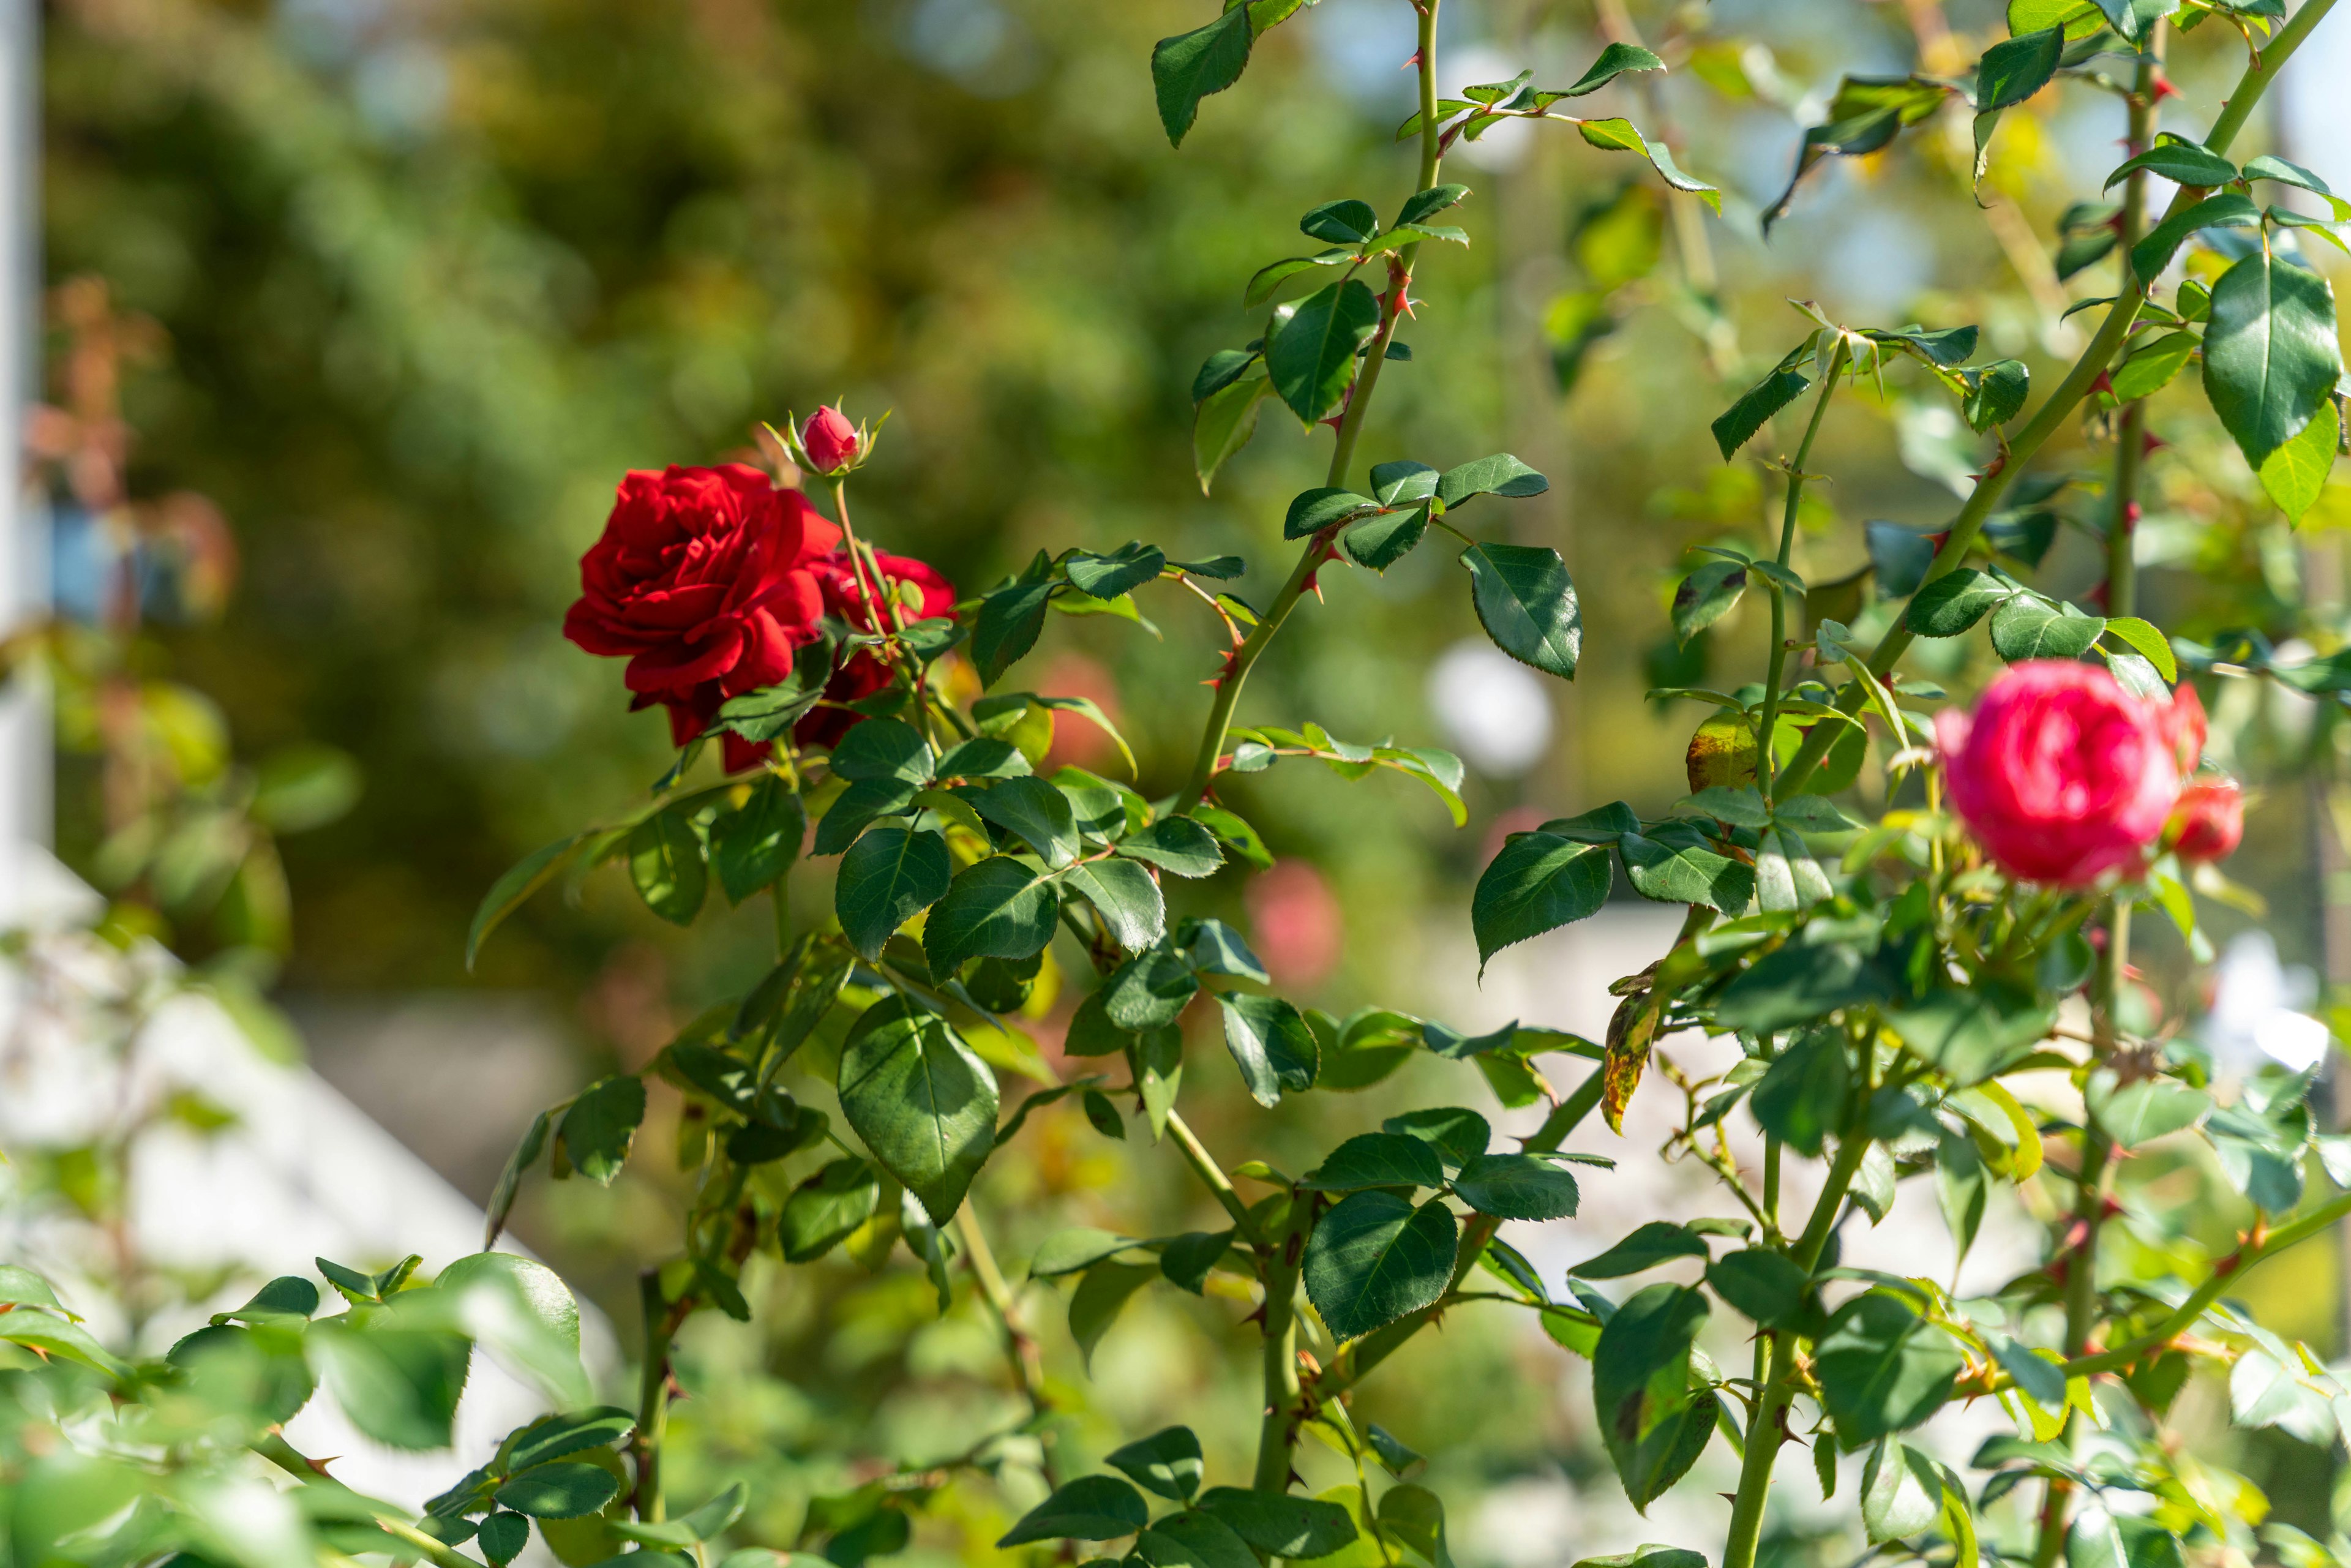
{"type": "Point", "coordinates": [922, 593]}
{"type": "Point", "coordinates": [830, 441]}
{"type": "Point", "coordinates": [706, 579]}
{"type": "Point", "coordinates": [2210, 821]}
{"type": "Point", "coordinates": [2184, 726]}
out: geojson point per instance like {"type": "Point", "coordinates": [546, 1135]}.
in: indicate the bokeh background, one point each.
{"type": "Point", "coordinates": [403, 287]}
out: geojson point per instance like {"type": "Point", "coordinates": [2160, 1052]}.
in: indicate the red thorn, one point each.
{"type": "Point", "coordinates": [2152, 444]}
{"type": "Point", "coordinates": [2105, 383]}
{"type": "Point", "coordinates": [1412, 62]}
{"type": "Point", "coordinates": [2162, 87]}
{"type": "Point", "coordinates": [2096, 597]}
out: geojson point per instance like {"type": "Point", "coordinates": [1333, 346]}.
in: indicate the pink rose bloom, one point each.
{"type": "Point", "coordinates": [2184, 726]}
{"type": "Point", "coordinates": [2061, 774]}
{"type": "Point", "coordinates": [830, 440]}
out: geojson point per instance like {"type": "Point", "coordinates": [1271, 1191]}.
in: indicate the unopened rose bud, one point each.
{"type": "Point", "coordinates": [831, 441]}
{"type": "Point", "coordinates": [2210, 821]}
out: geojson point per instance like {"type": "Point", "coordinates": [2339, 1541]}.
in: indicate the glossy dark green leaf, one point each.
{"type": "Point", "coordinates": [1377, 1159]}
{"type": "Point", "coordinates": [1214, 948]}
{"type": "Point", "coordinates": [1148, 991]}
{"type": "Point", "coordinates": [1011, 618]}
{"type": "Point", "coordinates": [1996, 392]}
{"type": "Point", "coordinates": [1517, 1186]}
{"type": "Point", "coordinates": [823, 1209]}
{"type": "Point", "coordinates": [1652, 1424]}
{"type": "Point", "coordinates": [1883, 1368]}
{"type": "Point", "coordinates": [665, 864]}
{"type": "Point", "coordinates": [1311, 511]}
{"type": "Point", "coordinates": [1131, 904]}
{"type": "Point", "coordinates": [1379, 541]}
{"type": "Point", "coordinates": [2025, 627]}
{"type": "Point", "coordinates": [1374, 1258]}
{"type": "Point", "coordinates": [2178, 159]}
{"type": "Point", "coordinates": [1186, 1260]}
{"type": "Point", "coordinates": [2014, 70]}
{"type": "Point", "coordinates": [1271, 1042]}
{"type": "Point", "coordinates": [1614, 61]}
{"type": "Point", "coordinates": [1310, 357]}
{"type": "Point", "coordinates": [565, 1490]}
{"type": "Point", "coordinates": [887, 878]}
{"type": "Point", "coordinates": [1191, 1541]}
{"type": "Point", "coordinates": [1796, 984]}
{"type": "Point", "coordinates": [503, 1536]}
{"type": "Point", "coordinates": [999, 909]}
{"type": "Point", "coordinates": [596, 1133]}
{"type": "Point", "coordinates": [2270, 353]}
{"type": "Point", "coordinates": [863, 803]}
{"type": "Point", "coordinates": [1343, 222]}
{"type": "Point", "coordinates": [1191, 66]}
{"type": "Point", "coordinates": [1736, 425]}
{"type": "Point", "coordinates": [1167, 1462]}
{"type": "Point", "coordinates": [922, 1100]}
{"type": "Point", "coordinates": [883, 749]}
{"type": "Point", "coordinates": [1764, 1284]}
{"type": "Point", "coordinates": [1279, 1524]}
{"type": "Point", "coordinates": [1537, 883]}
{"type": "Point", "coordinates": [755, 844]}
{"type": "Point", "coordinates": [1091, 1508]}
{"type": "Point", "coordinates": [1687, 870]}
{"type": "Point", "coordinates": [1621, 135]}
{"type": "Point", "coordinates": [1706, 596]}
{"type": "Point", "coordinates": [1459, 1135]}
{"type": "Point", "coordinates": [1178, 845]}
{"type": "Point", "coordinates": [1221, 426]}
{"type": "Point", "coordinates": [1955, 601]}
{"type": "Point", "coordinates": [1973, 1034]}
{"type": "Point", "coordinates": [1647, 1247]}
{"type": "Point", "coordinates": [1527, 604]}
{"type": "Point", "coordinates": [1500, 474]}
{"type": "Point", "coordinates": [2227, 210]}
{"type": "Point", "coordinates": [1122, 571]}
{"type": "Point", "coordinates": [1425, 205]}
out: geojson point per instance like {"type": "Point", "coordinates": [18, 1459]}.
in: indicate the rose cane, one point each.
{"type": "Point", "coordinates": [2061, 774]}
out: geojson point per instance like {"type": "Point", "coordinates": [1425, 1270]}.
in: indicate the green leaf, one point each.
{"type": "Point", "coordinates": [1279, 1524]}
{"type": "Point", "coordinates": [1123, 571]}
{"type": "Point", "coordinates": [1865, 117]}
{"type": "Point", "coordinates": [1619, 135]}
{"type": "Point", "coordinates": [288, 1302]}
{"type": "Point", "coordinates": [1736, 425]}
{"type": "Point", "coordinates": [1271, 1042]}
{"type": "Point", "coordinates": [1191, 1541]}
{"type": "Point", "coordinates": [1191, 66]}
{"type": "Point", "coordinates": [562, 1491]}
{"type": "Point", "coordinates": [887, 878]}
{"type": "Point", "coordinates": [2026, 627]}
{"type": "Point", "coordinates": [56, 1337]}
{"type": "Point", "coordinates": [2141, 1112]}
{"type": "Point", "coordinates": [518, 883]}
{"type": "Point", "coordinates": [1974, 1034]}
{"type": "Point", "coordinates": [502, 1196]}
{"type": "Point", "coordinates": [883, 749]}
{"type": "Point", "coordinates": [399, 1386]}
{"type": "Point", "coordinates": [1647, 1557]}
{"type": "Point", "coordinates": [1178, 845]}
{"type": "Point", "coordinates": [924, 1103]}
{"type": "Point", "coordinates": [1883, 1368]}
{"type": "Point", "coordinates": [755, 844]}
{"type": "Point", "coordinates": [1500, 474]}
{"type": "Point", "coordinates": [1614, 61]}
{"type": "Point", "coordinates": [1374, 1258]}
{"type": "Point", "coordinates": [2150, 644]}
{"type": "Point", "coordinates": [1457, 1134]}
{"type": "Point", "coordinates": [1214, 948]}
{"type": "Point", "coordinates": [864, 802]}
{"type": "Point", "coordinates": [665, 864]}
{"type": "Point", "coordinates": [1011, 618]}
{"type": "Point", "coordinates": [1797, 984]}
{"type": "Point", "coordinates": [2152, 365]}
{"type": "Point", "coordinates": [1516, 1186]}
{"type": "Point", "coordinates": [1091, 1508]}
{"type": "Point", "coordinates": [2014, 70]}
{"type": "Point", "coordinates": [1683, 869]}
{"type": "Point", "coordinates": [1131, 905]}
{"type": "Point", "coordinates": [1764, 1284]}
{"type": "Point", "coordinates": [982, 757]}
{"type": "Point", "coordinates": [1996, 393]}
{"type": "Point", "coordinates": [2178, 159]}
{"type": "Point", "coordinates": [1099, 1297]}
{"type": "Point", "coordinates": [2270, 357]}
{"type": "Point", "coordinates": [1706, 596]}
{"type": "Point", "coordinates": [1403, 483]}
{"type": "Point", "coordinates": [1962, 1187]}
{"type": "Point", "coordinates": [826, 1207]}
{"type": "Point", "coordinates": [1148, 991]}
{"type": "Point", "coordinates": [1377, 1159]}
{"type": "Point", "coordinates": [503, 1536]}
{"type": "Point", "coordinates": [1901, 1492]}
{"type": "Point", "coordinates": [1313, 510]}
{"type": "Point", "coordinates": [1527, 604]}
{"type": "Point", "coordinates": [1802, 1098]}
{"type": "Point", "coordinates": [2229, 210]}
{"type": "Point", "coordinates": [1653, 1426]}
{"type": "Point", "coordinates": [602, 1122]}
{"type": "Point", "coordinates": [1424, 204]}
{"type": "Point", "coordinates": [1267, 281]}
{"type": "Point", "coordinates": [2099, 1539]}
{"type": "Point", "coordinates": [2296, 472]}
{"type": "Point", "coordinates": [1378, 542]}
{"type": "Point", "coordinates": [1167, 1462]}
{"type": "Point", "coordinates": [1344, 222]}
{"type": "Point", "coordinates": [1955, 601]}
{"type": "Point", "coordinates": [1310, 357]}
{"type": "Point", "coordinates": [1537, 883]}
{"type": "Point", "coordinates": [1651, 1244]}
{"type": "Point", "coordinates": [999, 909]}
{"type": "Point", "coordinates": [1221, 426]}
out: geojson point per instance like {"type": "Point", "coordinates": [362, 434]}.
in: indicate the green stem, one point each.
{"type": "Point", "coordinates": [1026, 1361]}
{"type": "Point", "coordinates": [2111, 334]}
{"type": "Point", "coordinates": [1770, 716]}
{"type": "Point", "coordinates": [283, 1453]}
{"type": "Point", "coordinates": [2130, 438]}
{"type": "Point", "coordinates": [1278, 1430]}
{"type": "Point", "coordinates": [661, 1320]}
{"type": "Point", "coordinates": [1772, 1398]}
{"type": "Point", "coordinates": [1213, 1175]}
{"type": "Point", "coordinates": [1342, 454]}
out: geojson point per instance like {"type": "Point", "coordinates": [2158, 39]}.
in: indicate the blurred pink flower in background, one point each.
{"type": "Point", "coordinates": [1295, 924]}
{"type": "Point", "coordinates": [2059, 773]}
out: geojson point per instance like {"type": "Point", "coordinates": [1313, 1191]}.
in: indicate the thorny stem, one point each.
{"type": "Point", "coordinates": [1779, 594]}
{"type": "Point", "coordinates": [1213, 1175]}
{"type": "Point", "coordinates": [1279, 1429]}
{"type": "Point", "coordinates": [874, 585]}
{"type": "Point", "coordinates": [1020, 1349]}
{"type": "Point", "coordinates": [660, 1323]}
{"type": "Point", "coordinates": [311, 1472]}
{"type": "Point", "coordinates": [1342, 455]}
{"type": "Point", "coordinates": [2112, 333]}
